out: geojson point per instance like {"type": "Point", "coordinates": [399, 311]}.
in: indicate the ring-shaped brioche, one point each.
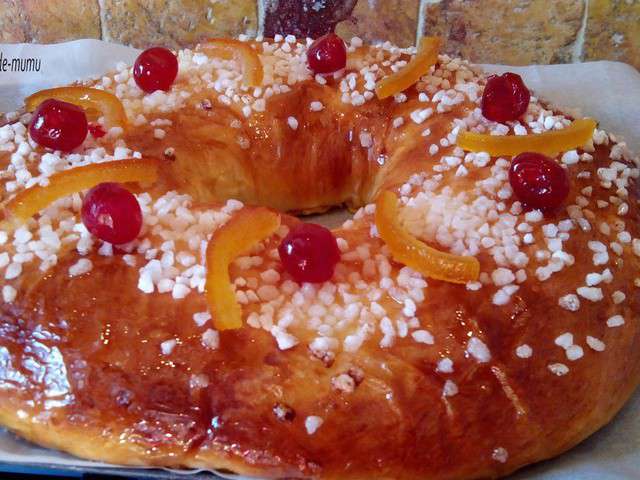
{"type": "Point", "coordinates": [111, 354]}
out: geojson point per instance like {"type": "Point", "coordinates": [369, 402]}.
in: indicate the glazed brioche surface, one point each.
{"type": "Point", "coordinates": [110, 353]}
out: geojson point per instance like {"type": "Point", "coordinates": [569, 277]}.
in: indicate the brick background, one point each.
{"type": "Point", "coordinates": [393, 20]}
{"type": "Point", "coordinates": [175, 23]}
{"type": "Point", "coordinates": [48, 21]}
{"type": "Point", "coordinates": [498, 31]}
{"type": "Point", "coordinates": [512, 32]}
{"type": "Point", "coordinates": [613, 31]}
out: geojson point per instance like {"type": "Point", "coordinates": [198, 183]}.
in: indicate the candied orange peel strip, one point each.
{"type": "Point", "coordinates": [427, 56]}
{"type": "Point", "coordinates": [229, 49]}
{"type": "Point", "coordinates": [407, 249]}
{"type": "Point", "coordinates": [246, 228]}
{"type": "Point", "coordinates": [575, 135]}
{"type": "Point", "coordinates": [95, 103]}
{"type": "Point", "coordinates": [30, 201]}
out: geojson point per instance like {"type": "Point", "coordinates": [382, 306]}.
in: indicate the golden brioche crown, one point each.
{"type": "Point", "coordinates": [457, 369]}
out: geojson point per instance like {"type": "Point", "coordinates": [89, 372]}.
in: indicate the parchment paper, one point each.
{"type": "Point", "coordinates": [607, 91]}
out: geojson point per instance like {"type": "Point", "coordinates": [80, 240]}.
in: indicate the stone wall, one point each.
{"type": "Point", "coordinates": [498, 31]}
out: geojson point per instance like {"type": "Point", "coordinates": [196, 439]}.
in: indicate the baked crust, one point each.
{"type": "Point", "coordinates": [83, 368]}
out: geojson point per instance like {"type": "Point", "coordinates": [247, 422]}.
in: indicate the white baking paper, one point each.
{"type": "Point", "coordinates": [606, 91]}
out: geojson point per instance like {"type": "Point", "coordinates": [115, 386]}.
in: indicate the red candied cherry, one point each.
{"type": "Point", "coordinates": [155, 69]}
{"type": "Point", "coordinates": [309, 253]}
{"type": "Point", "coordinates": [112, 213]}
{"type": "Point", "coordinates": [58, 125]}
{"type": "Point", "coordinates": [327, 54]}
{"type": "Point", "coordinates": [505, 97]}
{"type": "Point", "coordinates": [538, 181]}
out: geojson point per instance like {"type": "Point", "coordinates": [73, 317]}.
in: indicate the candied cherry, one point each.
{"type": "Point", "coordinates": [58, 125]}
{"type": "Point", "coordinates": [327, 54]}
{"type": "Point", "coordinates": [309, 253]}
{"type": "Point", "coordinates": [155, 69]}
{"type": "Point", "coordinates": [538, 181]}
{"type": "Point", "coordinates": [112, 213]}
{"type": "Point", "coordinates": [505, 97]}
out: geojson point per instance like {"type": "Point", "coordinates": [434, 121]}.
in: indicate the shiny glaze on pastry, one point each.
{"type": "Point", "coordinates": [474, 381]}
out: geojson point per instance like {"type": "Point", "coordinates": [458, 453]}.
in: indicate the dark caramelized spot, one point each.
{"type": "Point", "coordinates": [170, 153]}
{"type": "Point", "coordinates": [284, 412]}
{"type": "Point", "coordinates": [357, 374]}
{"type": "Point", "coordinates": [96, 130]}
{"type": "Point", "coordinates": [327, 358]}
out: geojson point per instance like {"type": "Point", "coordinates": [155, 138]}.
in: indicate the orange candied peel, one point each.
{"type": "Point", "coordinates": [427, 56]}
{"type": "Point", "coordinates": [30, 201]}
{"type": "Point", "coordinates": [229, 49]}
{"type": "Point", "coordinates": [246, 228]}
{"type": "Point", "coordinates": [575, 135]}
{"type": "Point", "coordinates": [95, 103]}
{"type": "Point", "coordinates": [407, 249]}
